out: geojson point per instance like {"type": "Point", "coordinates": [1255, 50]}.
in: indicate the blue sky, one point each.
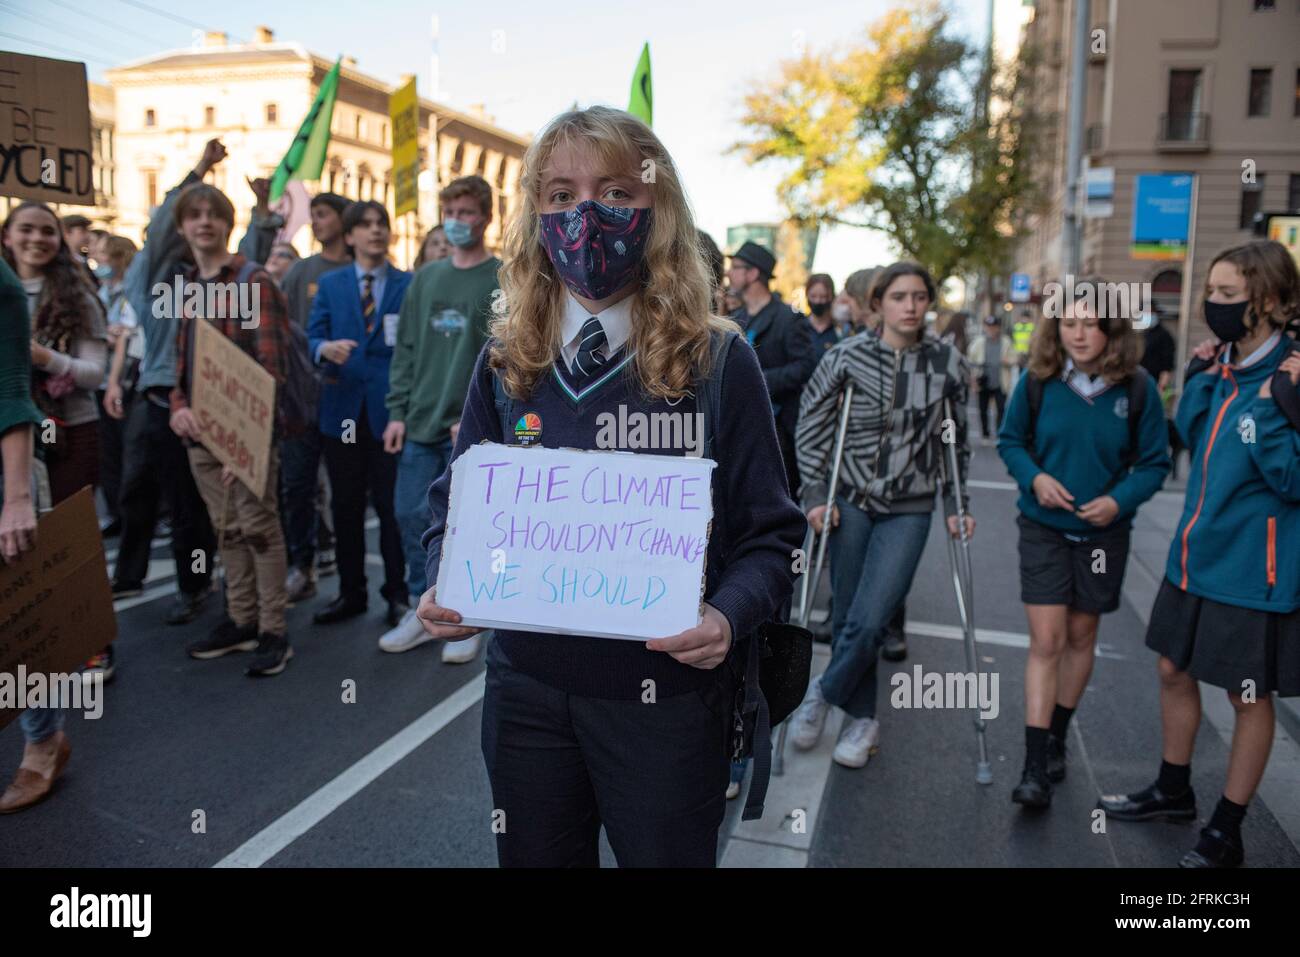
{"type": "Point", "coordinates": [527, 61]}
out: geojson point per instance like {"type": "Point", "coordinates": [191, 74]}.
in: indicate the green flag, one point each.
{"type": "Point", "coordinates": [306, 155]}
{"type": "Point", "coordinates": [642, 102]}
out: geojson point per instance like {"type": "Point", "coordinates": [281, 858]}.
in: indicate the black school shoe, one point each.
{"type": "Point", "coordinates": [894, 647]}
{"type": "Point", "coordinates": [1055, 759]}
{"type": "Point", "coordinates": [186, 606]}
{"type": "Point", "coordinates": [273, 653]}
{"type": "Point", "coordinates": [224, 639]}
{"type": "Point", "coordinates": [1214, 849]}
{"type": "Point", "coordinates": [1034, 789]}
{"type": "Point", "coordinates": [1149, 804]}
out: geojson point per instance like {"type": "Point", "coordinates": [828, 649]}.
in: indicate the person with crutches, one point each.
{"type": "Point", "coordinates": [887, 474]}
{"type": "Point", "coordinates": [1084, 438]}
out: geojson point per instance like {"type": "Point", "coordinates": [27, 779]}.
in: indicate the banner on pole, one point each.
{"type": "Point", "coordinates": [1162, 205]}
{"type": "Point", "coordinates": [404, 112]}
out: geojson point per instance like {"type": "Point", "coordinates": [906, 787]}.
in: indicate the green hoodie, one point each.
{"type": "Point", "coordinates": [442, 327]}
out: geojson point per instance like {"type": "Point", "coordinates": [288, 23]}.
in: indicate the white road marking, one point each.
{"type": "Point", "coordinates": [291, 825]}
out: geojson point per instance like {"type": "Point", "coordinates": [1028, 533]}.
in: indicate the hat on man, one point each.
{"type": "Point", "coordinates": [752, 254]}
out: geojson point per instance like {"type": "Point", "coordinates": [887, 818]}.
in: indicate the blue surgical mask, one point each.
{"type": "Point", "coordinates": [458, 233]}
{"type": "Point", "coordinates": [103, 271]}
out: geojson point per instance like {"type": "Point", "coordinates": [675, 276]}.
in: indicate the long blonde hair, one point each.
{"type": "Point", "coordinates": [671, 310]}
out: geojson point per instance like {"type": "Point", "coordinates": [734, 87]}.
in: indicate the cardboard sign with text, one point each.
{"type": "Point", "coordinates": [45, 150]}
{"type": "Point", "coordinates": [233, 400]}
{"type": "Point", "coordinates": [606, 544]}
{"type": "Point", "coordinates": [56, 608]}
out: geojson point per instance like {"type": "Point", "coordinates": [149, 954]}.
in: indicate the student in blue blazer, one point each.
{"type": "Point", "coordinates": [352, 331]}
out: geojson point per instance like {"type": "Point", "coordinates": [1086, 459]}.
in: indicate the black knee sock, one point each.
{"type": "Point", "coordinates": [1061, 716]}
{"type": "Point", "coordinates": [1227, 817]}
{"type": "Point", "coordinates": [1174, 779]}
{"type": "Point", "coordinates": [1035, 746]}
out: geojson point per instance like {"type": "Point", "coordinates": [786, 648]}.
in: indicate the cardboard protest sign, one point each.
{"type": "Point", "coordinates": [233, 400]}
{"type": "Point", "coordinates": [56, 608]}
{"type": "Point", "coordinates": [606, 544]}
{"type": "Point", "coordinates": [45, 130]}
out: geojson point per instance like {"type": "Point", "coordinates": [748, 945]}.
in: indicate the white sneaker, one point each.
{"type": "Point", "coordinates": [408, 634]}
{"type": "Point", "coordinates": [733, 790]}
{"type": "Point", "coordinates": [859, 739]}
{"type": "Point", "coordinates": [809, 718]}
{"type": "Point", "coordinates": [460, 652]}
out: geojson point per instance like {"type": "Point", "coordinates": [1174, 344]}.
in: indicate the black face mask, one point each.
{"type": "Point", "coordinates": [819, 309]}
{"type": "Point", "coordinates": [1227, 320]}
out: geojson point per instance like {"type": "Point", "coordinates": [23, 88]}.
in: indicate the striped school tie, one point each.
{"type": "Point", "coordinates": [587, 362]}
{"type": "Point", "coordinates": [368, 301]}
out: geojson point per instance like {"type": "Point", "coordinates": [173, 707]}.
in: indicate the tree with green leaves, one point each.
{"type": "Point", "coordinates": [891, 134]}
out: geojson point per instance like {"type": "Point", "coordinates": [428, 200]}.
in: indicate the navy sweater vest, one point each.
{"type": "Point", "coordinates": [755, 532]}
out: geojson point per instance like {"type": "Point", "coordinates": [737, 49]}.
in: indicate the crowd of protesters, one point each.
{"type": "Point", "coordinates": [384, 377]}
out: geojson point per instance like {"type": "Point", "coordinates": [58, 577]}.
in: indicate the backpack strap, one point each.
{"type": "Point", "coordinates": [505, 405]}
{"type": "Point", "coordinates": [1137, 400]}
{"type": "Point", "coordinates": [708, 394]}
{"type": "Point", "coordinates": [1034, 394]}
{"type": "Point", "coordinates": [708, 402]}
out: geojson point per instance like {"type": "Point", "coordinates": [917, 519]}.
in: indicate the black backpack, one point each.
{"type": "Point", "coordinates": [778, 659]}
{"type": "Point", "coordinates": [297, 398]}
{"type": "Point", "coordinates": [1136, 384]}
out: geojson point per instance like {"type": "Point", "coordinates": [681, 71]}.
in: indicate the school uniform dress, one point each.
{"type": "Point", "coordinates": [1228, 610]}
{"type": "Point", "coordinates": [568, 742]}
{"type": "Point", "coordinates": [1081, 439]}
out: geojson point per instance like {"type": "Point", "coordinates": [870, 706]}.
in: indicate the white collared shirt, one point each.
{"type": "Point", "coordinates": [1082, 383]}
{"type": "Point", "coordinates": [616, 320]}
{"type": "Point", "coordinates": [1255, 356]}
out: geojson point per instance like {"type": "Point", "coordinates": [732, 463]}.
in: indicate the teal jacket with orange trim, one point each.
{"type": "Point", "coordinates": [1238, 541]}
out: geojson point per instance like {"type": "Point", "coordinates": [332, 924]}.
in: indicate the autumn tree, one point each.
{"type": "Point", "coordinates": [889, 134]}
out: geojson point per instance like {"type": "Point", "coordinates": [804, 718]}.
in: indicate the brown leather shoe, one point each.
{"type": "Point", "coordinates": [30, 786]}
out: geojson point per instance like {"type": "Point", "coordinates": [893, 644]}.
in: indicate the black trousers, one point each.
{"type": "Point", "coordinates": [155, 466]}
{"type": "Point", "coordinates": [996, 396]}
{"type": "Point", "coordinates": [355, 469]}
{"type": "Point", "coordinates": [654, 774]}
{"type": "Point", "coordinates": [112, 440]}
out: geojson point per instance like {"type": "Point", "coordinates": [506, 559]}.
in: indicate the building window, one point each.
{"type": "Point", "coordinates": [359, 126]}
{"type": "Point", "coordinates": [1184, 105]}
{"type": "Point", "coordinates": [151, 119]}
{"type": "Point", "coordinates": [1296, 108]}
{"type": "Point", "coordinates": [151, 188]}
{"type": "Point", "coordinates": [1252, 195]}
{"type": "Point", "coordinates": [383, 134]}
{"type": "Point", "coordinates": [1261, 89]}
{"type": "Point", "coordinates": [1293, 193]}
{"type": "Point", "coordinates": [1265, 5]}
{"type": "Point", "coordinates": [209, 116]}
{"type": "Point", "coordinates": [272, 114]}
{"type": "Point", "coordinates": [458, 158]}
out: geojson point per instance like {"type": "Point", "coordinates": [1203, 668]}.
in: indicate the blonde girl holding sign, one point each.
{"type": "Point", "coordinates": [606, 303]}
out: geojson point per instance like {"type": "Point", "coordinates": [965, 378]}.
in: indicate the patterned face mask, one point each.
{"type": "Point", "coordinates": [596, 249]}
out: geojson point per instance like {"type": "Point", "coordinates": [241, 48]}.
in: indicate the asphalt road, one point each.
{"type": "Point", "coordinates": [286, 773]}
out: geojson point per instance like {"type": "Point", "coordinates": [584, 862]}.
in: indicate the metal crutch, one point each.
{"type": "Point", "coordinates": [963, 583]}
{"type": "Point", "coordinates": [808, 587]}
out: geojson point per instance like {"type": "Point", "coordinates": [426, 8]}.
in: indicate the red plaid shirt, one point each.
{"type": "Point", "coordinates": [267, 341]}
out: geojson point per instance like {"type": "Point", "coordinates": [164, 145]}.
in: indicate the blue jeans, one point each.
{"type": "Point", "coordinates": [421, 463]}
{"type": "Point", "coordinates": [39, 723]}
{"type": "Point", "coordinates": [299, 464]}
{"type": "Point", "coordinates": [873, 559]}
